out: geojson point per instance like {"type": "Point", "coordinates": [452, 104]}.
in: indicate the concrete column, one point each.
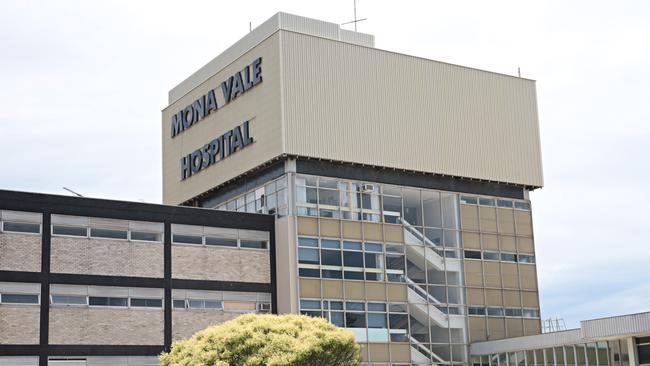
{"type": "Point", "coordinates": [632, 351]}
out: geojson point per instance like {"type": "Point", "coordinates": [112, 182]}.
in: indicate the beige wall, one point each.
{"type": "Point", "coordinates": [107, 257]}
{"type": "Point", "coordinates": [19, 324]}
{"type": "Point", "coordinates": [187, 322]}
{"type": "Point", "coordinates": [220, 264]}
{"type": "Point", "coordinates": [82, 325]}
{"type": "Point", "coordinates": [455, 120]}
{"type": "Point", "coordinates": [261, 105]}
{"type": "Point", "coordinates": [20, 252]}
{"type": "Point", "coordinates": [286, 264]}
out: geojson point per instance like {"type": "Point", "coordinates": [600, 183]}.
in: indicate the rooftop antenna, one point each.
{"type": "Point", "coordinates": [73, 192]}
{"type": "Point", "coordinates": [250, 27]}
{"type": "Point", "coordinates": [355, 21]}
{"type": "Point", "coordinates": [519, 71]}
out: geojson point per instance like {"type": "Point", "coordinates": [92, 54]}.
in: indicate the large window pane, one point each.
{"type": "Point", "coordinates": [431, 207]}
{"type": "Point", "coordinates": [331, 257]}
{"type": "Point", "coordinates": [353, 259]}
{"type": "Point", "coordinates": [392, 208]}
{"type": "Point", "coordinates": [108, 233]}
{"type": "Point", "coordinates": [412, 206]}
{"type": "Point", "coordinates": [449, 210]}
{"type": "Point", "coordinates": [308, 256]}
{"type": "Point", "coordinates": [328, 197]}
{"type": "Point", "coordinates": [21, 227]}
{"type": "Point", "coordinates": [18, 299]}
{"type": "Point", "coordinates": [377, 320]}
{"type": "Point", "coordinates": [355, 320]}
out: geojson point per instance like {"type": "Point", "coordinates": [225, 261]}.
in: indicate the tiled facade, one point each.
{"type": "Point", "coordinates": [20, 252]}
{"type": "Point", "coordinates": [19, 324]}
{"type": "Point", "coordinates": [221, 264]}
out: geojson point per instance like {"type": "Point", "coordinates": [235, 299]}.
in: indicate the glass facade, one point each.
{"type": "Point", "coordinates": [422, 260]}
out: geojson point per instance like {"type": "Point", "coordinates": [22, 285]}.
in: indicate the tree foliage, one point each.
{"type": "Point", "coordinates": [256, 340]}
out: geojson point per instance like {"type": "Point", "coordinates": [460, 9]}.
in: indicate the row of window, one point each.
{"type": "Point", "coordinates": [133, 302]}
{"type": "Point", "coordinates": [499, 256]}
{"type": "Point", "coordinates": [354, 314]}
{"type": "Point", "coordinates": [205, 240]}
{"type": "Point", "coordinates": [495, 202]}
{"type": "Point", "coordinates": [590, 354]}
{"type": "Point", "coordinates": [106, 301]}
{"type": "Point", "coordinates": [105, 233]}
{"type": "Point", "coordinates": [501, 311]}
{"type": "Point", "coordinates": [271, 198]}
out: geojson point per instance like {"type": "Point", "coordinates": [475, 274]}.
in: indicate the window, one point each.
{"type": "Point", "coordinates": [108, 233]}
{"type": "Point", "coordinates": [530, 313]}
{"type": "Point", "coordinates": [18, 299]}
{"type": "Point", "coordinates": [179, 304]}
{"type": "Point", "coordinates": [468, 200]}
{"type": "Point", "coordinates": [504, 203]}
{"type": "Point", "coordinates": [522, 205]}
{"type": "Point", "coordinates": [21, 227]}
{"type": "Point", "coordinates": [495, 311]}
{"type": "Point", "coordinates": [146, 236]}
{"type": "Point", "coordinates": [524, 258]}
{"type": "Point", "coordinates": [308, 272]}
{"type": "Point", "coordinates": [107, 301]}
{"type": "Point", "coordinates": [222, 242]}
{"type": "Point", "coordinates": [205, 304]}
{"type": "Point", "coordinates": [491, 256]}
{"type": "Point", "coordinates": [513, 312]}
{"type": "Point", "coordinates": [187, 239]}
{"type": "Point", "coordinates": [69, 300]}
{"type": "Point", "coordinates": [472, 310]}
{"type": "Point", "coordinates": [308, 242]}
{"type": "Point", "coordinates": [253, 244]}
{"type": "Point", "coordinates": [146, 303]}
{"type": "Point", "coordinates": [69, 230]}
{"type": "Point", "coordinates": [486, 201]}
{"type": "Point", "coordinates": [508, 257]}
{"type": "Point", "coordinates": [309, 256]}
{"type": "Point", "coordinates": [472, 254]}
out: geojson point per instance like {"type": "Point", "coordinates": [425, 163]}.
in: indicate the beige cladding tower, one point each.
{"type": "Point", "coordinates": [399, 184]}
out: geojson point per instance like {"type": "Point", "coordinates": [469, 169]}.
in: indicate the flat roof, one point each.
{"type": "Point", "coordinates": [592, 330]}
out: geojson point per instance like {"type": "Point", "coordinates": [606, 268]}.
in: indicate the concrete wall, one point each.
{"type": "Point", "coordinates": [106, 257]}
{"type": "Point", "coordinates": [19, 324]}
{"type": "Point", "coordinates": [80, 325]}
{"type": "Point", "coordinates": [220, 264]}
{"type": "Point", "coordinates": [187, 322]}
{"type": "Point", "coordinates": [20, 252]}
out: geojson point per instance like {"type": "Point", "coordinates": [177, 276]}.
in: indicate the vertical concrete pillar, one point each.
{"type": "Point", "coordinates": [632, 351]}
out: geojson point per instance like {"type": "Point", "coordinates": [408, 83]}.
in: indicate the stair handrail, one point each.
{"type": "Point", "coordinates": [422, 292]}
{"type": "Point", "coordinates": [426, 349]}
{"type": "Point", "coordinates": [418, 234]}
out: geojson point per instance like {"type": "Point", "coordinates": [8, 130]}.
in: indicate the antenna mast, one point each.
{"type": "Point", "coordinates": [355, 21]}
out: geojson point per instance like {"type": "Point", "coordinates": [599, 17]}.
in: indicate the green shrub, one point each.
{"type": "Point", "coordinates": [256, 340]}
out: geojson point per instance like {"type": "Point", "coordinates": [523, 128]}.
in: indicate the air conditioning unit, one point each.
{"type": "Point", "coordinates": [366, 188]}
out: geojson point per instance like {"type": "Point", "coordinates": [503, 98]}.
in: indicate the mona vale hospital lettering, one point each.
{"type": "Point", "coordinates": [231, 88]}
{"type": "Point", "coordinates": [216, 150]}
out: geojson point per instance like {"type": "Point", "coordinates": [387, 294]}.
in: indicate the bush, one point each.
{"type": "Point", "coordinates": [255, 340]}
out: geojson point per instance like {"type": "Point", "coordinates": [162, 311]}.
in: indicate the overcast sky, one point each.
{"type": "Point", "coordinates": [82, 84]}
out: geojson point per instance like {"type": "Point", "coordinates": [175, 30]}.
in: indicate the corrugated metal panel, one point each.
{"type": "Point", "coordinates": [363, 105]}
{"type": "Point", "coordinates": [526, 343]}
{"type": "Point", "coordinates": [624, 325]}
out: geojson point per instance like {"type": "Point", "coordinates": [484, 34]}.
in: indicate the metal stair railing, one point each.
{"type": "Point", "coordinates": [424, 349]}
{"type": "Point", "coordinates": [418, 234]}
{"type": "Point", "coordinates": [420, 291]}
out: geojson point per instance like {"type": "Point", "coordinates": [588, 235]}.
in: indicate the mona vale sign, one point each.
{"type": "Point", "coordinates": [231, 88]}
